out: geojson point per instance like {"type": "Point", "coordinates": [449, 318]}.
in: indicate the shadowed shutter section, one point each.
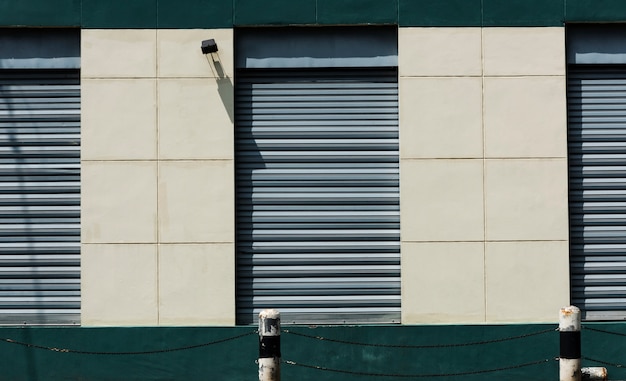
{"type": "Point", "coordinates": [597, 152]}
{"type": "Point", "coordinates": [318, 195]}
{"type": "Point", "coordinates": [39, 196]}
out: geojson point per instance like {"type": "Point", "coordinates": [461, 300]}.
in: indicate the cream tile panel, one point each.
{"type": "Point", "coordinates": [441, 200]}
{"type": "Point", "coordinates": [441, 118]}
{"type": "Point", "coordinates": [196, 202]}
{"type": "Point", "coordinates": [526, 281]}
{"type": "Point", "coordinates": [526, 199]}
{"type": "Point", "coordinates": [119, 285]}
{"type": "Point", "coordinates": [525, 117]}
{"type": "Point", "coordinates": [118, 202]}
{"type": "Point", "coordinates": [195, 119]}
{"type": "Point", "coordinates": [524, 51]}
{"type": "Point", "coordinates": [118, 53]}
{"type": "Point", "coordinates": [118, 119]}
{"type": "Point", "coordinates": [179, 53]}
{"type": "Point", "coordinates": [443, 283]}
{"type": "Point", "coordinates": [439, 51]}
{"type": "Point", "coordinates": [197, 284]}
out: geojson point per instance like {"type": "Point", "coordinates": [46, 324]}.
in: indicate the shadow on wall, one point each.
{"type": "Point", "coordinates": [224, 84]}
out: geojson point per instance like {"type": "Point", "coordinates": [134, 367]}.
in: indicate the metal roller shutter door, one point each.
{"type": "Point", "coordinates": [597, 154]}
{"type": "Point", "coordinates": [39, 196]}
{"type": "Point", "coordinates": [318, 195]}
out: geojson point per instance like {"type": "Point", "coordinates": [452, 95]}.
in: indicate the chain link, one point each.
{"type": "Point", "coordinates": [416, 375]}
{"type": "Point", "coordinates": [609, 333]}
{"type": "Point", "coordinates": [66, 350]}
{"type": "Point", "coordinates": [499, 340]}
{"type": "Point", "coordinates": [603, 331]}
{"type": "Point", "coordinates": [604, 362]}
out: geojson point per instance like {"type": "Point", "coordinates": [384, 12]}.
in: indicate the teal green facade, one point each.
{"type": "Point", "coordinates": [346, 353]}
{"type": "Point", "coordinates": [471, 353]}
{"type": "Point", "coordinates": [229, 13]}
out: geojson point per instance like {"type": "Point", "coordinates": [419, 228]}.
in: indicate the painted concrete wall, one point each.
{"type": "Point", "coordinates": [483, 144]}
{"type": "Point", "coordinates": [483, 176]}
{"type": "Point", "coordinates": [157, 178]}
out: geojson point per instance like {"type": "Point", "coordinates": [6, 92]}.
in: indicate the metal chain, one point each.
{"type": "Point", "coordinates": [609, 333]}
{"type": "Point", "coordinates": [421, 346]}
{"type": "Point", "coordinates": [65, 350]}
{"type": "Point", "coordinates": [603, 331]}
{"type": "Point", "coordinates": [604, 362]}
{"type": "Point", "coordinates": [416, 375]}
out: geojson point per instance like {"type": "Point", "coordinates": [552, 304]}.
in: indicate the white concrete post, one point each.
{"type": "Point", "coordinates": [569, 356]}
{"type": "Point", "coordinates": [594, 374]}
{"type": "Point", "coordinates": [269, 345]}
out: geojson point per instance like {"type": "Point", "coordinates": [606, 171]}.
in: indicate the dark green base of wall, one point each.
{"type": "Point", "coordinates": [498, 352]}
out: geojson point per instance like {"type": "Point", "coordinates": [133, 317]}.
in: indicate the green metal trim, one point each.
{"type": "Point", "coordinates": [177, 14]}
{"type": "Point", "coordinates": [350, 12]}
{"type": "Point", "coordinates": [36, 13]}
{"type": "Point", "coordinates": [445, 13]}
{"type": "Point", "coordinates": [595, 11]}
{"type": "Point", "coordinates": [512, 13]}
{"type": "Point", "coordinates": [274, 12]}
{"type": "Point", "coordinates": [139, 14]}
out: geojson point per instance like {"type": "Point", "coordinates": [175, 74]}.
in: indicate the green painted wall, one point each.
{"type": "Point", "coordinates": [343, 349]}
{"type": "Point", "coordinates": [229, 13]}
{"type": "Point", "coordinates": [235, 359]}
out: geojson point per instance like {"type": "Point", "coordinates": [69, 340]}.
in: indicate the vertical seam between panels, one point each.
{"type": "Point", "coordinates": [484, 174]}
{"type": "Point", "coordinates": [158, 170]}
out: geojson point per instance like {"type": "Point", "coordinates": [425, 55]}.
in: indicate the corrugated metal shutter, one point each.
{"type": "Point", "coordinates": [597, 154]}
{"type": "Point", "coordinates": [318, 195]}
{"type": "Point", "coordinates": [39, 196]}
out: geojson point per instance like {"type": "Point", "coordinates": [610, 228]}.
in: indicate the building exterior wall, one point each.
{"type": "Point", "coordinates": [483, 174]}
{"type": "Point", "coordinates": [483, 192]}
{"type": "Point", "coordinates": [157, 178]}
{"type": "Point", "coordinates": [483, 152]}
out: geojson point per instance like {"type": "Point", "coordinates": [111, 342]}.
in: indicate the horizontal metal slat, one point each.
{"type": "Point", "coordinates": [317, 171]}
{"type": "Point", "coordinates": [39, 196]}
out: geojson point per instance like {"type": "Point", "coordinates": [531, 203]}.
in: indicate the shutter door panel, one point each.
{"type": "Point", "coordinates": [39, 196]}
{"type": "Point", "coordinates": [597, 151]}
{"type": "Point", "coordinates": [318, 214]}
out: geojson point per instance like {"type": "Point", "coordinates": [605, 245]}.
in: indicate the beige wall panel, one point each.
{"type": "Point", "coordinates": [441, 200]}
{"type": "Point", "coordinates": [119, 202]}
{"type": "Point", "coordinates": [524, 51]}
{"type": "Point", "coordinates": [526, 199]}
{"type": "Point", "coordinates": [439, 52]}
{"type": "Point", "coordinates": [119, 285]}
{"type": "Point", "coordinates": [443, 283]}
{"type": "Point", "coordinates": [196, 201]}
{"type": "Point", "coordinates": [525, 117]}
{"type": "Point", "coordinates": [118, 53]}
{"type": "Point", "coordinates": [526, 281]}
{"type": "Point", "coordinates": [197, 284]}
{"type": "Point", "coordinates": [179, 53]}
{"type": "Point", "coordinates": [118, 119]}
{"type": "Point", "coordinates": [195, 119]}
{"type": "Point", "coordinates": [441, 118]}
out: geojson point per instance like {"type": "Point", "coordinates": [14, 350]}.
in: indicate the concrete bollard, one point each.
{"type": "Point", "coordinates": [594, 374]}
{"type": "Point", "coordinates": [569, 356]}
{"type": "Point", "coordinates": [571, 353]}
{"type": "Point", "coordinates": [269, 345]}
